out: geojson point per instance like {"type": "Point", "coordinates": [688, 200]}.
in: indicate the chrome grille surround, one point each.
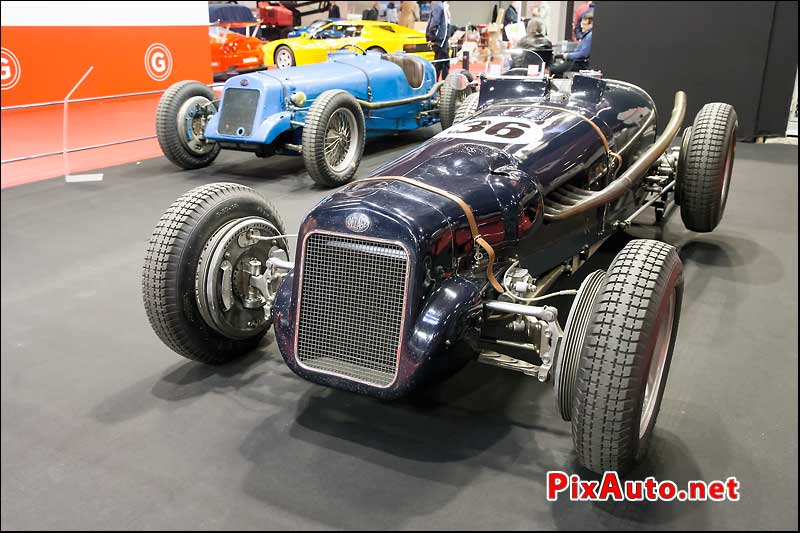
{"type": "Point", "coordinates": [351, 307]}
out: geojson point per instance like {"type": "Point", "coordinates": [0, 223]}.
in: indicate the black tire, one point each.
{"type": "Point", "coordinates": [284, 48]}
{"type": "Point", "coordinates": [467, 108]}
{"type": "Point", "coordinates": [450, 99]}
{"type": "Point", "coordinates": [633, 307]}
{"type": "Point", "coordinates": [706, 163]}
{"type": "Point", "coordinates": [170, 267]}
{"type": "Point", "coordinates": [376, 49]}
{"type": "Point", "coordinates": [319, 116]}
{"type": "Point", "coordinates": [174, 147]}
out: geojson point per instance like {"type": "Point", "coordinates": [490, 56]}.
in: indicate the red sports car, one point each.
{"type": "Point", "coordinates": [233, 53]}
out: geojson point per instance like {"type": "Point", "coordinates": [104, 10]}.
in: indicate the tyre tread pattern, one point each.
{"type": "Point", "coordinates": [702, 183]}
{"type": "Point", "coordinates": [167, 127]}
{"type": "Point", "coordinates": [615, 358]}
{"type": "Point", "coordinates": [467, 108]}
{"type": "Point", "coordinates": [316, 123]}
{"type": "Point", "coordinates": [448, 106]}
{"type": "Point", "coordinates": [161, 264]}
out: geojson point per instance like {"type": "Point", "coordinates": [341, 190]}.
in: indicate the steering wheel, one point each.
{"type": "Point", "coordinates": [350, 45]}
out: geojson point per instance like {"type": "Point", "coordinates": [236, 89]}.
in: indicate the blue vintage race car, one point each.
{"type": "Point", "coordinates": [323, 112]}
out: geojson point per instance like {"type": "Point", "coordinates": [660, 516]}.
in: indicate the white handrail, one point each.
{"type": "Point", "coordinates": [64, 123]}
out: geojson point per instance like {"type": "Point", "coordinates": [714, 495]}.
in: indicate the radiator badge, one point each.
{"type": "Point", "coordinates": [358, 222]}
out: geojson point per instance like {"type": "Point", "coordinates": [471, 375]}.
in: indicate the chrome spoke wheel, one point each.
{"type": "Point", "coordinates": [657, 363]}
{"type": "Point", "coordinates": [192, 118]}
{"type": "Point", "coordinates": [340, 140]}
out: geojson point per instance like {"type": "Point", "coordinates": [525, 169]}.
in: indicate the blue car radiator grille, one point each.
{"type": "Point", "coordinates": [352, 302]}
{"type": "Point", "coordinates": [238, 112]}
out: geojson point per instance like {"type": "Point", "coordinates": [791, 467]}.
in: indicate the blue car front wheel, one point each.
{"type": "Point", "coordinates": [181, 118]}
{"type": "Point", "coordinates": [333, 138]}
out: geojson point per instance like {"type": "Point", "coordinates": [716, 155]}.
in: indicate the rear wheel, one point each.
{"type": "Point", "coordinates": [284, 57]}
{"type": "Point", "coordinates": [705, 167]}
{"type": "Point", "coordinates": [196, 272]}
{"type": "Point", "coordinates": [451, 99]}
{"type": "Point", "coordinates": [181, 117]}
{"type": "Point", "coordinates": [626, 356]}
{"type": "Point", "coordinates": [333, 138]}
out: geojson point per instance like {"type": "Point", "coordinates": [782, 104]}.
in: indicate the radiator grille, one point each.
{"type": "Point", "coordinates": [351, 307]}
{"type": "Point", "coordinates": [238, 112]}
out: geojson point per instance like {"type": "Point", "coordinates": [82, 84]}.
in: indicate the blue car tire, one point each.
{"type": "Point", "coordinates": [333, 138]}
{"type": "Point", "coordinates": [181, 115]}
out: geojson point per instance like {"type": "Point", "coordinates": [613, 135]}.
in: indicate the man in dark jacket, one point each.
{"type": "Point", "coordinates": [333, 12]}
{"type": "Point", "coordinates": [371, 13]}
{"type": "Point", "coordinates": [436, 33]}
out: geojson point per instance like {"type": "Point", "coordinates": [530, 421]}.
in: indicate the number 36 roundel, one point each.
{"type": "Point", "coordinates": [503, 130]}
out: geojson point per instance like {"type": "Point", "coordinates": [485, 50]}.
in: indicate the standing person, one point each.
{"type": "Point", "coordinates": [409, 13]}
{"type": "Point", "coordinates": [509, 17]}
{"type": "Point", "coordinates": [391, 13]}
{"type": "Point", "coordinates": [436, 33]}
{"type": "Point", "coordinates": [333, 12]}
{"type": "Point", "coordinates": [371, 13]}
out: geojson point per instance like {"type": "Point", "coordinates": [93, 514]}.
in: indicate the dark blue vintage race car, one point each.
{"type": "Point", "coordinates": [323, 111]}
{"type": "Point", "coordinates": [448, 254]}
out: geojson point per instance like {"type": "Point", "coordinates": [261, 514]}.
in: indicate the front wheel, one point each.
{"type": "Point", "coordinates": [467, 108]}
{"type": "Point", "coordinates": [705, 167]}
{"type": "Point", "coordinates": [333, 138]}
{"type": "Point", "coordinates": [284, 57]}
{"type": "Point", "coordinates": [626, 356]}
{"type": "Point", "coordinates": [451, 99]}
{"type": "Point", "coordinates": [196, 280]}
{"type": "Point", "coordinates": [181, 117]}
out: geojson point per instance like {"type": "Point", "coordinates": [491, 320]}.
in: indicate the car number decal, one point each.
{"type": "Point", "coordinates": [505, 130]}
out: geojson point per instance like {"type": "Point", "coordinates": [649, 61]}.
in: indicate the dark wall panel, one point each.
{"type": "Point", "coordinates": [715, 51]}
{"type": "Point", "coordinates": [776, 92]}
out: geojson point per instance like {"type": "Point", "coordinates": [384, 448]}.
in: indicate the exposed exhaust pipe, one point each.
{"type": "Point", "coordinates": [402, 101]}
{"type": "Point", "coordinates": [635, 172]}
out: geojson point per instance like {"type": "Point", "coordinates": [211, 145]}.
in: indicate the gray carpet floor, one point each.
{"type": "Point", "coordinates": [103, 427]}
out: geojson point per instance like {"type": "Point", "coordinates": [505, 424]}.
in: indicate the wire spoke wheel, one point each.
{"type": "Point", "coordinates": [333, 138]}
{"type": "Point", "coordinates": [340, 139]}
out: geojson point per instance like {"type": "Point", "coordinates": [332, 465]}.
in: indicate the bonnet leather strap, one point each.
{"type": "Point", "coordinates": [473, 225]}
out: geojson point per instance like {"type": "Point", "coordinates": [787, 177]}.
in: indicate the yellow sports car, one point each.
{"type": "Point", "coordinates": [363, 35]}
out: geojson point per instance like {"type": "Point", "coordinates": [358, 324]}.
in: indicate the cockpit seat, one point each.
{"type": "Point", "coordinates": [413, 68]}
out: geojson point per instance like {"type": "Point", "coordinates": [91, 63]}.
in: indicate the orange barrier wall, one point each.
{"type": "Point", "coordinates": [125, 59]}
{"type": "Point", "coordinates": [48, 46]}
